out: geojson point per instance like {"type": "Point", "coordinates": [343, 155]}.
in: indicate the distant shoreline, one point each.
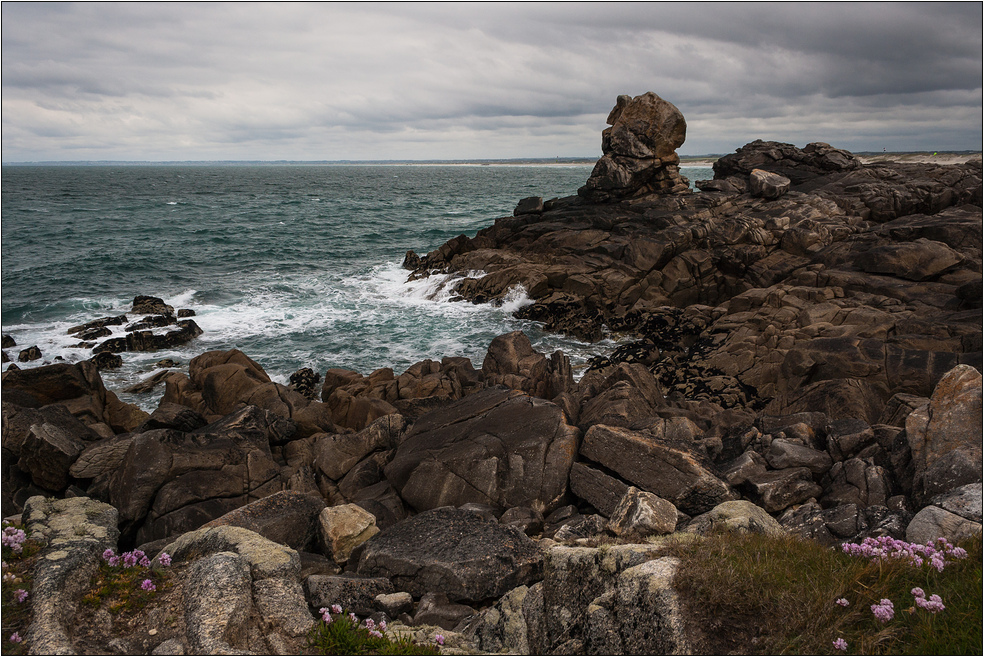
{"type": "Point", "coordinates": [921, 157]}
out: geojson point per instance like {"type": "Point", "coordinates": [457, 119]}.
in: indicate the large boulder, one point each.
{"type": "Point", "coordinates": [945, 436]}
{"type": "Point", "coordinates": [657, 461]}
{"type": "Point", "coordinates": [639, 150]}
{"type": "Point", "coordinates": [511, 361]}
{"type": "Point", "coordinates": [79, 387]}
{"type": "Point", "coordinates": [286, 517]}
{"type": "Point", "coordinates": [454, 551]}
{"type": "Point", "coordinates": [498, 447]}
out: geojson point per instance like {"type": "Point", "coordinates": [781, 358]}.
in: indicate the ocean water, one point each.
{"type": "Point", "coordinates": [296, 265]}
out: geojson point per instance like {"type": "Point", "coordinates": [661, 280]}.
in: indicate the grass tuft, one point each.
{"type": "Point", "coordinates": [754, 594]}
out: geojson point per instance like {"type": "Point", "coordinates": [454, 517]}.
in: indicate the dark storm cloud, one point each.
{"type": "Point", "coordinates": [333, 81]}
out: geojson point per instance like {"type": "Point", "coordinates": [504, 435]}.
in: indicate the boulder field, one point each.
{"type": "Point", "coordinates": [798, 351]}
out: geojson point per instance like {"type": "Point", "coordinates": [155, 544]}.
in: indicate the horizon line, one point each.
{"type": "Point", "coordinates": [514, 160]}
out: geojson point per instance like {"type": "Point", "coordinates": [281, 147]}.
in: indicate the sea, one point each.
{"type": "Point", "coordinates": [297, 265]}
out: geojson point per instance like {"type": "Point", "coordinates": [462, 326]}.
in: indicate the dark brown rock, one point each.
{"type": "Point", "coordinates": [497, 447]}
{"type": "Point", "coordinates": [455, 552]}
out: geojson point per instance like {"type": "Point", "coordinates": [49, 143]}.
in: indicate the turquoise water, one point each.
{"type": "Point", "coordinates": [298, 266]}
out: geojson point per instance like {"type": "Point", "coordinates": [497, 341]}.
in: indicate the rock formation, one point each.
{"type": "Point", "coordinates": [801, 354]}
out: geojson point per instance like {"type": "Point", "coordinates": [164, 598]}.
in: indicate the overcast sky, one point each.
{"type": "Point", "coordinates": [310, 81]}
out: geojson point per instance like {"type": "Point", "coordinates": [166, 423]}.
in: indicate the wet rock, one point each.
{"type": "Point", "coordinates": [7, 342]}
{"type": "Point", "coordinates": [530, 205]}
{"type": "Point", "coordinates": [29, 354]}
{"type": "Point", "coordinates": [146, 305]}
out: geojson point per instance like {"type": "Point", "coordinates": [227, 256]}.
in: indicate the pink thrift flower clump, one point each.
{"type": "Point", "coordinates": [376, 633]}
{"type": "Point", "coordinates": [15, 638]}
{"type": "Point", "coordinates": [148, 585]}
{"type": "Point", "coordinates": [840, 644]}
{"type": "Point", "coordinates": [885, 548]}
{"type": "Point", "coordinates": [842, 602]}
{"type": "Point", "coordinates": [884, 610]}
{"type": "Point", "coordinates": [14, 538]}
{"type": "Point", "coordinates": [933, 605]}
{"type": "Point", "coordinates": [336, 609]}
{"type": "Point", "coordinates": [325, 614]}
{"type": "Point", "coordinates": [20, 595]}
{"type": "Point", "coordinates": [439, 639]}
{"type": "Point", "coordinates": [164, 559]}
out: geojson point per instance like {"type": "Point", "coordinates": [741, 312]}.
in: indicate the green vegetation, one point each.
{"type": "Point", "coordinates": [753, 594]}
{"type": "Point", "coordinates": [126, 583]}
{"type": "Point", "coordinates": [19, 556]}
{"type": "Point", "coordinates": [343, 634]}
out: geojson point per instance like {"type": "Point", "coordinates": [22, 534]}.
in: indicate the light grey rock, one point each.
{"type": "Point", "coordinates": [933, 522]}
{"type": "Point", "coordinates": [217, 599]}
{"type": "Point", "coordinates": [964, 501]}
{"type": "Point", "coordinates": [739, 516]}
{"type": "Point", "coordinates": [282, 605]}
{"type": "Point", "coordinates": [648, 611]}
{"type": "Point", "coordinates": [76, 531]}
{"type": "Point", "coordinates": [264, 557]}
{"type": "Point", "coordinates": [641, 513]}
{"type": "Point", "coordinates": [394, 604]}
{"type": "Point", "coordinates": [503, 626]}
{"type": "Point", "coordinates": [170, 647]}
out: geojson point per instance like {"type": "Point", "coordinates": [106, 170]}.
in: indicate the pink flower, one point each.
{"type": "Point", "coordinates": [376, 633]}
{"type": "Point", "coordinates": [840, 644]}
{"type": "Point", "coordinates": [370, 624]}
{"type": "Point", "coordinates": [108, 554]}
{"type": "Point", "coordinates": [353, 617]}
{"type": "Point", "coordinates": [918, 592]}
{"type": "Point", "coordinates": [382, 625]}
{"type": "Point", "coordinates": [148, 585]}
{"type": "Point", "coordinates": [336, 609]}
{"type": "Point", "coordinates": [144, 562]}
{"type": "Point", "coordinates": [933, 605]}
{"type": "Point", "coordinates": [21, 595]}
{"type": "Point", "coordinates": [325, 614]}
{"type": "Point", "coordinates": [842, 602]}
{"type": "Point", "coordinates": [884, 610]}
{"type": "Point", "coordinates": [113, 561]}
{"type": "Point", "coordinates": [15, 638]}
{"type": "Point", "coordinates": [439, 639]}
{"type": "Point", "coordinates": [130, 559]}
{"type": "Point", "coordinates": [164, 559]}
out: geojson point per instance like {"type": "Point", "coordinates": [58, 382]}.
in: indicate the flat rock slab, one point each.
{"type": "Point", "coordinates": [453, 551]}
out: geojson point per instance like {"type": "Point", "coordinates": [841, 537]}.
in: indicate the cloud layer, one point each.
{"type": "Point", "coordinates": [312, 81]}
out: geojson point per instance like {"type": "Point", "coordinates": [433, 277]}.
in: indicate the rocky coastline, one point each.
{"type": "Point", "coordinates": [799, 354]}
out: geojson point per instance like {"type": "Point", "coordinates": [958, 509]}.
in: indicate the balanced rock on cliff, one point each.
{"type": "Point", "coordinates": [639, 151]}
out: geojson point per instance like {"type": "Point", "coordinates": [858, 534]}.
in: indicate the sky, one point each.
{"type": "Point", "coordinates": [364, 81]}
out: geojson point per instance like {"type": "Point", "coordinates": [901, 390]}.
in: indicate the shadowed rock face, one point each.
{"type": "Point", "coordinates": [639, 150]}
